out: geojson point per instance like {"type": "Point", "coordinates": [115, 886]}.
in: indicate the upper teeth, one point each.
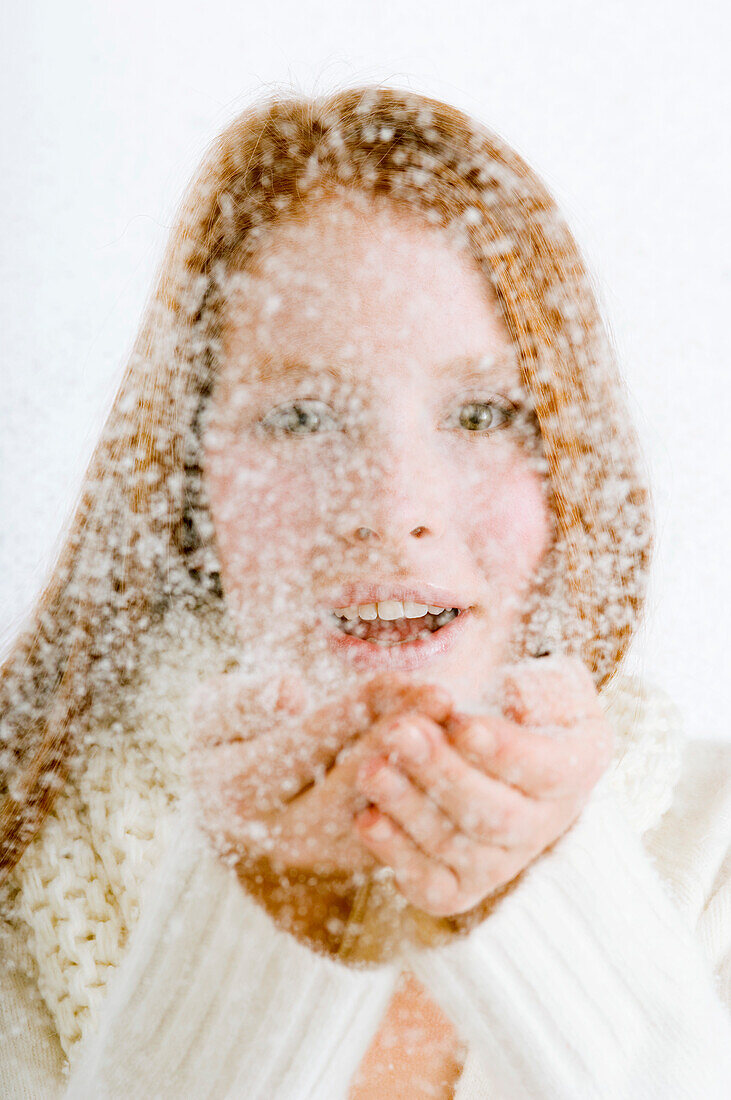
{"type": "Point", "coordinates": [388, 609]}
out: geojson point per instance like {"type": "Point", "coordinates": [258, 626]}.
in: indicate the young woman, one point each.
{"type": "Point", "coordinates": [322, 778]}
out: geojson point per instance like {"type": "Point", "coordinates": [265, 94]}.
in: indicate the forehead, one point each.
{"type": "Point", "coordinates": [354, 282]}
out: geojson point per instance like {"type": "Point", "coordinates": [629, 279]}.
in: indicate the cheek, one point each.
{"type": "Point", "coordinates": [512, 524]}
{"type": "Point", "coordinates": [264, 514]}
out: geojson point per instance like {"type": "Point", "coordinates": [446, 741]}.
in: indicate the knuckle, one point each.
{"type": "Point", "coordinates": [412, 735]}
{"type": "Point", "coordinates": [427, 726]}
{"type": "Point", "coordinates": [510, 828]}
{"type": "Point", "coordinates": [396, 785]}
{"type": "Point", "coordinates": [476, 736]}
{"type": "Point", "coordinates": [448, 846]}
{"type": "Point", "coordinates": [555, 685]}
{"type": "Point", "coordinates": [486, 825]}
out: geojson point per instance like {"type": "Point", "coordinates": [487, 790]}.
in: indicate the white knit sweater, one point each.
{"type": "Point", "coordinates": [606, 972]}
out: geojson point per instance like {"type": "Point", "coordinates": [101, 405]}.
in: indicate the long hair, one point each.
{"type": "Point", "coordinates": [141, 540]}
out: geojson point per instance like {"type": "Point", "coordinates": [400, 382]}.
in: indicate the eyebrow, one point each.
{"type": "Point", "coordinates": [482, 369]}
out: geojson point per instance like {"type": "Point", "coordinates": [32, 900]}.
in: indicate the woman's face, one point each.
{"type": "Point", "coordinates": [398, 466]}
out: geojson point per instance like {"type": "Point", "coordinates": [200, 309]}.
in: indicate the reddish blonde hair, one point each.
{"type": "Point", "coordinates": [141, 537]}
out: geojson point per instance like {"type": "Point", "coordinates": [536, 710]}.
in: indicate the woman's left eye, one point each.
{"type": "Point", "coordinates": [481, 416]}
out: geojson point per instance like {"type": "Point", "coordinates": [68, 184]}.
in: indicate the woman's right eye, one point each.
{"type": "Point", "coordinates": [302, 417]}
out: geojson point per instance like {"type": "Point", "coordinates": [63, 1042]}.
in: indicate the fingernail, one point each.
{"type": "Point", "coordinates": [475, 737]}
{"type": "Point", "coordinates": [367, 817]}
{"type": "Point", "coordinates": [414, 743]}
{"type": "Point", "coordinates": [377, 828]}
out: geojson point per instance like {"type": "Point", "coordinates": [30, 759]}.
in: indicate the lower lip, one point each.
{"type": "Point", "coordinates": [404, 655]}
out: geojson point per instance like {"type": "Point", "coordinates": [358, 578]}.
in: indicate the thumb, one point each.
{"type": "Point", "coordinates": [392, 693]}
{"type": "Point", "coordinates": [549, 691]}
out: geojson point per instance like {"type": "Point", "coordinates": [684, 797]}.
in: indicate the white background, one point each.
{"type": "Point", "coordinates": [622, 107]}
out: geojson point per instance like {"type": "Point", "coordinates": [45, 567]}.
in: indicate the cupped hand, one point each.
{"type": "Point", "coordinates": [275, 779]}
{"type": "Point", "coordinates": [462, 806]}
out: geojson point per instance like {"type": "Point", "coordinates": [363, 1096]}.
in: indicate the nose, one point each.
{"type": "Point", "coordinates": [364, 533]}
{"type": "Point", "coordinates": [403, 494]}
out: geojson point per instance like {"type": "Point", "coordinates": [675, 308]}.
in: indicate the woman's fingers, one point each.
{"type": "Point", "coordinates": [428, 885]}
{"type": "Point", "coordinates": [332, 732]}
{"type": "Point", "coordinates": [418, 815]}
{"type": "Point", "coordinates": [281, 751]}
{"type": "Point", "coordinates": [481, 795]}
{"type": "Point", "coordinates": [547, 763]}
{"type": "Point", "coordinates": [438, 887]}
{"type": "Point", "coordinates": [397, 796]}
{"type": "Point", "coordinates": [553, 740]}
{"type": "Point", "coordinates": [482, 807]}
{"type": "Point", "coordinates": [260, 740]}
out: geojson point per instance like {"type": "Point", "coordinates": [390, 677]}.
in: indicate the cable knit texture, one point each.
{"type": "Point", "coordinates": [77, 889]}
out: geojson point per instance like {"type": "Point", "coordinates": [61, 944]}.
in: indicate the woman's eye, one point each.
{"type": "Point", "coordinates": [480, 416]}
{"type": "Point", "coordinates": [303, 417]}
{"type": "Point", "coordinates": [308, 416]}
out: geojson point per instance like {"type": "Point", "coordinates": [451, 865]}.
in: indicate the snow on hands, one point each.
{"type": "Point", "coordinates": [461, 807]}
{"type": "Point", "coordinates": [393, 774]}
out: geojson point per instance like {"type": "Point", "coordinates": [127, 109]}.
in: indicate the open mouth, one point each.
{"type": "Point", "coordinates": [395, 632]}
